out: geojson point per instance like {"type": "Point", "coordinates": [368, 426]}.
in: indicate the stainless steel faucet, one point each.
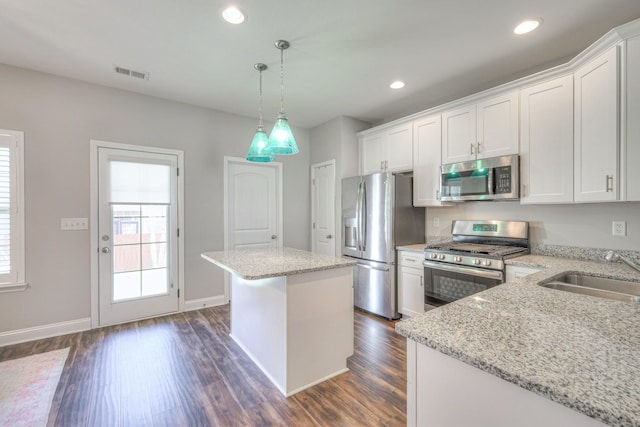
{"type": "Point", "coordinates": [612, 256]}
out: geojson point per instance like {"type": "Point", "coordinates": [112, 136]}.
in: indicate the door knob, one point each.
{"type": "Point", "coordinates": [106, 250]}
{"type": "Point", "coordinates": [329, 236]}
{"type": "Point", "coordinates": [273, 237]}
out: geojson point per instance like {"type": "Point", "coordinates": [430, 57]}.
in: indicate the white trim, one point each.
{"type": "Point", "coordinates": [279, 195]}
{"type": "Point", "coordinates": [197, 304]}
{"type": "Point", "coordinates": [13, 287]}
{"type": "Point", "coordinates": [95, 243]}
{"type": "Point", "coordinates": [44, 331]}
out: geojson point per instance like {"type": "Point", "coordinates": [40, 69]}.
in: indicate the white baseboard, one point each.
{"type": "Point", "coordinates": [44, 331]}
{"type": "Point", "coordinates": [196, 304]}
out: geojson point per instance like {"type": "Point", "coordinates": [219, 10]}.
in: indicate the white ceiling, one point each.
{"type": "Point", "coordinates": [343, 55]}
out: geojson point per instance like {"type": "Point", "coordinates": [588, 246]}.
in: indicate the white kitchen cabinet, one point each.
{"type": "Point", "coordinates": [410, 283]}
{"type": "Point", "coordinates": [389, 150]}
{"type": "Point", "coordinates": [444, 391]}
{"type": "Point", "coordinates": [597, 142]}
{"type": "Point", "coordinates": [631, 124]}
{"type": "Point", "coordinates": [546, 142]}
{"type": "Point", "coordinates": [427, 158]}
{"type": "Point", "coordinates": [515, 272]}
{"type": "Point", "coordinates": [483, 130]}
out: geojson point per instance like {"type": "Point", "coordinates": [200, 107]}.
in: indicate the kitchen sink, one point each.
{"type": "Point", "coordinates": [619, 290]}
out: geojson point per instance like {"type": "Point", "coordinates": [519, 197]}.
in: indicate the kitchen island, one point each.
{"type": "Point", "coordinates": [291, 312]}
{"type": "Point", "coordinates": [521, 354]}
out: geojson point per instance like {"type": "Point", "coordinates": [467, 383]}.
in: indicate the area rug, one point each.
{"type": "Point", "coordinates": [27, 386]}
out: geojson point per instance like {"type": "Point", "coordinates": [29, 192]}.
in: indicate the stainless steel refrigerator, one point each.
{"type": "Point", "coordinates": [377, 216]}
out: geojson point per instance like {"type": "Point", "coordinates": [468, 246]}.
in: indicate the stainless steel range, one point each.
{"type": "Point", "coordinates": [473, 261]}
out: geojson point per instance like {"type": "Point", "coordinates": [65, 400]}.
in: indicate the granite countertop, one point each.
{"type": "Point", "coordinates": [253, 264]}
{"type": "Point", "coordinates": [580, 351]}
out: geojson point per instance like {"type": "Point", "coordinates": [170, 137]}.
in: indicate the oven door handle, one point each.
{"type": "Point", "coordinates": [464, 270]}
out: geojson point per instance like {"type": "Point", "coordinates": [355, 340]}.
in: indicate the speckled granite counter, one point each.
{"type": "Point", "coordinates": [580, 351]}
{"type": "Point", "coordinates": [253, 264]}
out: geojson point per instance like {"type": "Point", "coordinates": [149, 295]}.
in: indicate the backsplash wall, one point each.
{"type": "Point", "coordinates": [583, 225]}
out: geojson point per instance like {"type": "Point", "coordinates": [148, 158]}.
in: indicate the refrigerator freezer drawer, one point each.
{"type": "Point", "coordinates": [375, 289]}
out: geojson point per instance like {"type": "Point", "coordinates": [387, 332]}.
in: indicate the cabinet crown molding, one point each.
{"type": "Point", "coordinates": [614, 37]}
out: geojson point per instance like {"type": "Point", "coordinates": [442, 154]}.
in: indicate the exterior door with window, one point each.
{"type": "Point", "coordinates": [138, 226]}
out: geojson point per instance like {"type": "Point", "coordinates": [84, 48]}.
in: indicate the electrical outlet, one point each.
{"type": "Point", "coordinates": [619, 228]}
{"type": "Point", "coordinates": [436, 222]}
{"type": "Point", "coordinates": [74, 224]}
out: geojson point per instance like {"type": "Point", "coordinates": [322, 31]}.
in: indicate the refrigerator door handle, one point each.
{"type": "Point", "coordinates": [358, 216]}
{"type": "Point", "coordinates": [370, 267]}
{"type": "Point", "coordinates": [363, 217]}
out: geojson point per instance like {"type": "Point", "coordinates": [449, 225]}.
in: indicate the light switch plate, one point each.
{"type": "Point", "coordinates": [74, 224]}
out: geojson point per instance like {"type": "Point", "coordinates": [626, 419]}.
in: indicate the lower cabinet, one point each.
{"type": "Point", "coordinates": [410, 283]}
{"type": "Point", "coordinates": [443, 391]}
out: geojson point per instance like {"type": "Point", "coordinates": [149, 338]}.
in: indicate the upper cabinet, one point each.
{"type": "Point", "coordinates": [427, 138]}
{"type": "Point", "coordinates": [596, 143]}
{"type": "Point", "coordinates": [486, 129]}
{"type": "Point", "coordinates": [389, 150]}
{"type": "Point", "coordinates": [546, 142]}
{"type": "Point", "coordinates": [631, 122]}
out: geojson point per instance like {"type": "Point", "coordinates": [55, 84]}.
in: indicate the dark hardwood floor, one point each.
{"type": "Point", "coordinates": [185, 370]}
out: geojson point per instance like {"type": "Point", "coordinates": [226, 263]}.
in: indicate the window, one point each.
{"type": "Point", "coordinates": [11, 211]}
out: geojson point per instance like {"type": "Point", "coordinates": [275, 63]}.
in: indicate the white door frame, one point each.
{"type": "Point", "coordinates": [93, 220]}
{"type": "Point", "coordinates": [279, 207]}
{"type": "Point", "coordinates": [313, 202]}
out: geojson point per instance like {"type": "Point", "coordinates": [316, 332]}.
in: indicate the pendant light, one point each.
{"type": "Point", "coordinates": [259, 151]}
{"type": "Point", "coordinates": [281, 140]}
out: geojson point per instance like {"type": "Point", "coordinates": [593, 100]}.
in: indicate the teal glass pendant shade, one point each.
{"type": "Point", "coordinates": [259, 150]}
{"type": "Point", "coordinates": [281, 140]}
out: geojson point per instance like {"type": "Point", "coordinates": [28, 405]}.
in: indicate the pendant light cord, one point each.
{"type": "Point", "coordinates": [282, 81]}
{"type": "Point", "coordinates": [260, 125]}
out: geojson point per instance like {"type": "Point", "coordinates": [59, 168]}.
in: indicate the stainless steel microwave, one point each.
{"type": "Point", "coordinates": [496, 178]}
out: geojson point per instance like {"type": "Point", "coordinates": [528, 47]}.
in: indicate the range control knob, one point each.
{"type": "Point", "coordinates": [476, 261]}
{"type": "Point", "coordinates": [433, 256]}
{"type": "Point", "coordinates": [457, 259]}
{"type": "Point", "coordinates": [487, 262]}
{"type": "Point", "coordinates": [441, 256]}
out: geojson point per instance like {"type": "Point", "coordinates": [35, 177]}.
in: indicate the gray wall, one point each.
{"type": "Point", "coordinates": [583, 225]}
{"type": "Point", "coordinates": [337, 140]}
{"type": "Point", "coordinates": [59, 117]}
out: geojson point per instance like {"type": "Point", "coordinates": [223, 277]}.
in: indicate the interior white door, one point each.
{"type": "Point", "coordinates": [138, 227]}
{"type": "Point", "coordinates": [323, 209]}
{"type": "Point", "coordinates": [253, 205]}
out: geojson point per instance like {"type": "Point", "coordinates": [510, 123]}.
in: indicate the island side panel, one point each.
{"type": "Point", "coordinates": [259, 324]}
{"type": "Point", "coordinates": [320, 320]}
{"type": "Point", "coordinates": [449, 392]}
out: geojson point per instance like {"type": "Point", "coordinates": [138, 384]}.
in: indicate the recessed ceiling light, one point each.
{"type": "Point", "coordinates": [397, 85]}
{"type": "Point", "coordinates": [233, 15]}
{"type": "Point", "coordinates": [527, 26]}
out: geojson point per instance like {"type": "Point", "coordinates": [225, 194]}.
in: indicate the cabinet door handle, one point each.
{"type": "Point", "coordinates": [609, 183]}
{"type": "Point", "coordinates": [386, 164]}
{"type": "Point", "coordinates": [381, 165]}
{"type": "Point", "coordinates": [421, 281]}
{"type": "Point", "coordinates": [478, 147]}
{"type": "Point", "coordinates": [471, 149]}
{"type": "Point", "coordinates": [524, 190]}
{"type": "Point", "coordinates": [437, 194]}
{"type": "Point", "coordinates": [411, 259]}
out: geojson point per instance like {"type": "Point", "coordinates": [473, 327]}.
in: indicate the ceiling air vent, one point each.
{"type": "Point", "coordinates": [132, 73]}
